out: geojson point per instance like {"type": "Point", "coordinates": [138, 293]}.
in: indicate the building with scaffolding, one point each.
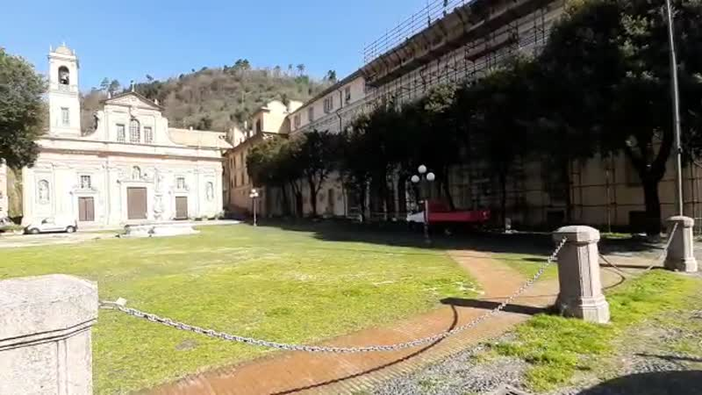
{"type": "Point", "coordinates": [457, 41]}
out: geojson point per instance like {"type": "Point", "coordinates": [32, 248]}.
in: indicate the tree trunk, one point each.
{"type": "Point", "coordinates": [503, 198]}
{"type": "Point", "coordinates": [653, 206]}
{"type": "Point", "coordinates": [362, 202]}
{"type": "Point", "coordinates": [566, 186]}
{"type": "Point", "coordinates": [313, 195]}
{"type": "Point", "coordinates": [297, 198]}
{"type": "Point", "coordinates": [286, 202]}
{"type": "Point", "coordinates": [447, 192]}
{"type": "Point", "coordinates": [389, 198]}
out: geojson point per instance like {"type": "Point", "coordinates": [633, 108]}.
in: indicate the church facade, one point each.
{"type": "Point", "coordinates": [129, 167]}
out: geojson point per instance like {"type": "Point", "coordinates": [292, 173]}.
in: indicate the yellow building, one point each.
{"type": "Point", "coordinates": [270, 120]}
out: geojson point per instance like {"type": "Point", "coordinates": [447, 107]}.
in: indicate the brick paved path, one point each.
{"type": "Point", "coordinates": [296, 372]}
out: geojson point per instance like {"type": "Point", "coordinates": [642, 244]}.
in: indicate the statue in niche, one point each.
{"type": "Point", "coordinates": [158, 208]}
{"type": "Point", "coordinates": [43, 191]}
{"type": "Point", "coordinates": [136, 173]}
{"type": "Point", "coordinates": [159, 181]}
{"type": "Point", "coordinates": [209, 191]}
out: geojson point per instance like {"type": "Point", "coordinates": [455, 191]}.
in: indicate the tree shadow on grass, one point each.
{"type": "Point", "coordinates": [655, 383]}
{"type": "Point", "coordinates": [398, 235]}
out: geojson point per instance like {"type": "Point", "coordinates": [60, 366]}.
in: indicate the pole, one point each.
{"type": "Point", "coordinates": [426, 222]}
{"type": "Point", "coordinates": [676, 110]}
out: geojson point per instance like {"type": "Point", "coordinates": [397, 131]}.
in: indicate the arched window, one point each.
{"type": "Point", "coordinates": [64, 75]}
{"type": "Point", "coordinates": [136, 173]}
{"type": "Point", "coordinates": [148, 135]}
{"type": "Point", "coordinates": [134, 132]}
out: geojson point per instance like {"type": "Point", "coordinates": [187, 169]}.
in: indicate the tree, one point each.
{"type": "Point", "coordinates": [114, 87]}
{"type": "Point", "coordinates": [316, 157]}
{"type": "Point", "coordinates": [611, 58]}
{"type": "Point", "coordinates": [331, 76]}
{"type": "Point", "coordinates": [496, 139]}
{"type": "Point", "coordinates": [438, 137]}
{"type": "Point", "coordinates": [205, 123]}
{"type": "Point", "coordinates": [105, 84]}
{"type": "Point", "coordinates": [149, 78]}
{"type": "Point", "coordinates": [21, 110]}
{"type": "Point", "coordinates": [267, 165]}
{"type": "Point", "coordinates": [301, 69]}
{"type": "Point", "coordinates": [355, 168]}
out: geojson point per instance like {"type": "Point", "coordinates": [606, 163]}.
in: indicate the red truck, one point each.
{"type": "Point", "coordinates": [440, 213]}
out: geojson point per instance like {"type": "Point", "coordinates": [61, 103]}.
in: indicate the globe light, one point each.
{"type": "Point", "coordinates": [431, 177]}
{"type": "Point", "coordinates": [422, 169]}
{"type": "Point", "coordinates": [415, 179]}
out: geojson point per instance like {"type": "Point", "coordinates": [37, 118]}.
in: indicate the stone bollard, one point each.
{"type": "Point", "coordinates": [45, 340]}
{"type": "Point", "coordinates": [681, 255]}
{"type": "Point", "coordinates": [579, 275]}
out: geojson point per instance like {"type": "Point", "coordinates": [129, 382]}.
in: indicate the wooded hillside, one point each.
{"type": "Point", "coordinates": [216, 98]}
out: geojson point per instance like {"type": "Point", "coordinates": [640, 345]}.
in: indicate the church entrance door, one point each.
{"type": "Point", "coordinates": [136, 203]}
{"type": "Point", "coordinates": [181, 207]}
{"type": "Point", "coordinates": [86, 209]}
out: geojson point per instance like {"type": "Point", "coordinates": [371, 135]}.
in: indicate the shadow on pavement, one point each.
{"type": "Point", "coordinates": [398, 235]}
{"type": "Point", "coordinates": [489, 305]}
{"type": "Point", "coordinates": [657, 383]}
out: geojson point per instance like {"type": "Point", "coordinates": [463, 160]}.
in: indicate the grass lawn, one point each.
{"type": "Point", "coordinates": [556, 348]}
{"type": "Point", "coordinates": [265, 282]}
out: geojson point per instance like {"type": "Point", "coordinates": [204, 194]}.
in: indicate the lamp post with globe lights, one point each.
{"type": "Point", "coordinates": [254, 195]}
{"type": "Point", "coordinates": [424, 176]}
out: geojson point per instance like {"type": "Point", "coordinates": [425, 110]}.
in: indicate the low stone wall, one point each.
{"type": "Point", "coordinates": [45, 335]}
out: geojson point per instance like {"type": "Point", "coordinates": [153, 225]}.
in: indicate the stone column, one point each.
{"type": "Point", "coordinates": [45, 342]}
{"type": "Point", "coordinates": [579, 275]}
{"type": "Point", "coordinates": [681, 255]}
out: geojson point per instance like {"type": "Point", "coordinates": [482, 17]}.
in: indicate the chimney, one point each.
{"type": "Point", "coordinates": [156, 101]}
{"type": "Point", "coordinates": [191, 128]}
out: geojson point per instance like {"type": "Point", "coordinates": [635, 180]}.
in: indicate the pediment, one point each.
{"type": "Point", "coordinates": [133, 99]}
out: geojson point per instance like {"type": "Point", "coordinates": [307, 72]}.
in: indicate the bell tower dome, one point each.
{"type": "Point", "coordinates": [64, 96]}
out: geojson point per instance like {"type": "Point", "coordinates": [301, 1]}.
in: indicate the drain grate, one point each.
{"type": "Point", "coordinates": [509, 390]}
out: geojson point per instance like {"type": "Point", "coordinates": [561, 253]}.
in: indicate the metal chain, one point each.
{"type": "Point", "coordinates": [656, 262]}
{"type": "Point", "coordinates": [120, 306]}
{"type": "Point", "coordinates": [664, 254]}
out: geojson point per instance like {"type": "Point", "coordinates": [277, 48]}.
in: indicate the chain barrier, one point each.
{"type": "Point", "coordinates": [657, 262]}
{"type": "Point", "coordinates": [664, 254]}
{"type": "Point", "coordinates": [120, 305]}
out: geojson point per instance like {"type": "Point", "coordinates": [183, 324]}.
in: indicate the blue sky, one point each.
{"type": "Point", "coordinates": [128, 39]}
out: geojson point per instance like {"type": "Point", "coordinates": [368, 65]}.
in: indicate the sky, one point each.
{"type": "Point", "coordinates": [127, 39]}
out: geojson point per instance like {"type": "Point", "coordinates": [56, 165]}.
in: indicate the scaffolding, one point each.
{"type": "Point", "coordinates": [433, 12]}
{"type": "Point", "coordinates": [524, 31]}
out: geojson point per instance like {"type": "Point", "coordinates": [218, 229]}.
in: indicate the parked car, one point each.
{"type": "Point", "coordinates": [52, 224]}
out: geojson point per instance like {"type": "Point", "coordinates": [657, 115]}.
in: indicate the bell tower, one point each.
{"type": "Point", "coordinates": [64, 96]}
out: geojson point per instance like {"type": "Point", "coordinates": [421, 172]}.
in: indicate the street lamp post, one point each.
{"type": "Point", "coordinates": [254, 195]}
{"type": "Point", "coordinates": [427, 176]}
{"type": "Point", "coordinates": [676, 109]}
